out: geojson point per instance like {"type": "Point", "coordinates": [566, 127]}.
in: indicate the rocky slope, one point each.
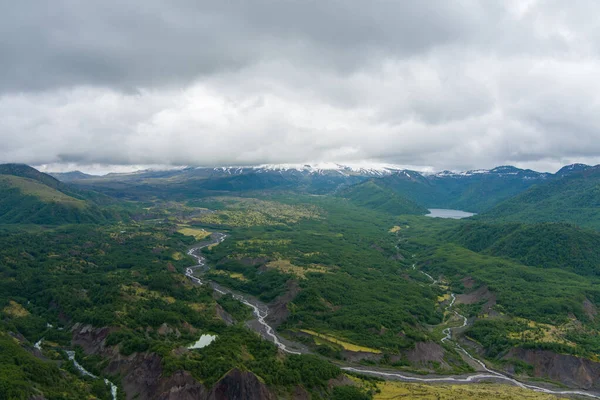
{"type": "Point", "coordinates": [142, 374]}
{"type": "Point", "coordinates": [570, 370]}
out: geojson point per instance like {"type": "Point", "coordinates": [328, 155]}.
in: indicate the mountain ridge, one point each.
{"type": "Point", "coordinates": [473, 191]}
{"type": "Point", "coordinates": [33, 197]}
{"type": "Point", "coordinates": [572, 198]}
{"type": "Point", "coordinates": [373, 169]}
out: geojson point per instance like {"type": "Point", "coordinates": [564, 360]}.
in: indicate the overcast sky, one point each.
{"type": "Point", "coordinates": [100, 85]}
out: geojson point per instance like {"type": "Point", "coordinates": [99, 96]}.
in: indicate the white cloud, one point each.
{"type": "Point", "coordinates": [451, 85]}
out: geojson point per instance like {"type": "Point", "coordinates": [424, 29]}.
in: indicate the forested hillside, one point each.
{"type": "Point", "coordinates": [574, 198]}
{"type": "Point", "coordinates": [28, 196]}
{"type": "Point", "coordinates": [344, 260]}
{"type": "Point", "coordinates": [375, 197]}
{"type": "Point", "coordinates": [473, 191]}
{"type": "Point", "coordinates": [356, 278]}
{"type": "Point", "coordinates": [547, 245]}
{"type": "Point", "coordinates": [126, 285]}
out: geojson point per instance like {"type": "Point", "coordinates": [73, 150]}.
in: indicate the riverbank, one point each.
{"type": "Point", "coordinates": [259, 324]}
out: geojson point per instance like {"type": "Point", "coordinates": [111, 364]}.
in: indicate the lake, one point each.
{"type": "Point", "coordinates": [204, 341]}
{"type": "Point", "coordinates": [445, 213]}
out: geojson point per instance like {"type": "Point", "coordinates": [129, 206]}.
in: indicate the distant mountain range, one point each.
{"type": "Point", "coordinates": [365, 170]}
{"type": "Point", "coordinates": [475, 190]}
{"type": "Point", "coordinates": [505, 193]}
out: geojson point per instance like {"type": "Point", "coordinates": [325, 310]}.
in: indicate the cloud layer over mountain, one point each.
{"type": "Point", "coordinates": [447, 84]}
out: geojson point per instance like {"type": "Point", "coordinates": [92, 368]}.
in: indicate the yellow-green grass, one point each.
{"type": "Point", "coordinates": [246, 212]}
{"type": "Point", "coordinates": [545, 333]}
{"type": "Point", "coordinates": [402, 390]}
{"type": "Point", "coordinates": [443, 298]}
{"type": "Point", "coordinates": [394, 229]}
{"type": "Point", "coordinates": [244, 218]}
{"type": "Point", "coordinates": [287, 267]}
{"type": "Point", "coordinates": [44, 193]}
{"type": "Point", "coordinates": [234, 275]}
{"type": "Point", "coordinates": [14, 309]}
{"type": "Point", "coordinates": [137, 292]}
{"type": "Point", "coordinates": [346, 345]}
{"type": "Point", "coordinates": [262, 243]}
{"type": "Point", "coordinates": [198, 234]}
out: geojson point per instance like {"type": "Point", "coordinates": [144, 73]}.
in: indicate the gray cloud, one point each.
{"type": "Point", "coordinates": [447, 84]}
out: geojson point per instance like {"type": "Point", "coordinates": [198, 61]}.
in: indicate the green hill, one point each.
{"type": "Point", "coordinates": [574, 198]}
{"type": "Point", "coordinates": [473, 191]}
{"type": "Point", "coordinates": [547, 245]}
{"type": "Point", "coordinates": [28, 196]}
{"type": "Point", "coordinates": [25, 171]}
{"type": "Point", "coordinates": [371, 195]}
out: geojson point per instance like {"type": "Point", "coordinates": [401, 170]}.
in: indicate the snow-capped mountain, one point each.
{"type": "Point", "coordinates": [366, 169]}
{"type": "Point", "coordinates": [569, 169]}
{"type": "Point", "coordinates": [505, 170]}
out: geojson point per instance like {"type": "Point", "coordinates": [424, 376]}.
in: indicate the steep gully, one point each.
{"type": "Point", "coordinates": [261, 311]}
{"type": "Point", "coordinates": [83, 371]}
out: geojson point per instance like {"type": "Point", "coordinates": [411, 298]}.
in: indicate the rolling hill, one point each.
{"type": "Point", "coordinates": [472, 191]}
{"type": "Point", "coordinates": [370, 195]}
{"type": "Point", "coordinates": [28, 196]}
{"type": "Point", "coordinates": [546, 245]}
{"type": "Point", "coordinates": [572, 198]}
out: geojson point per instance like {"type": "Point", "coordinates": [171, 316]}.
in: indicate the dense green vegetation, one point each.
{"type": "Point", "coordinates": [343, 272]}
{"type": "Point", "coordinates": [22, 375]}
{"type": "Point", "coordinates": [126, 277]}
{"type": "Point", "coordinates": [244, 349]}
{"type": "Point", "coordinates": [370, 195]}
{"type": "Point", "coordinates": [235, 308]}
{"type": "Point", "coordinates": [545, 295]}
{"type": "Point", "coordinates": [544, 245]}
{"type": "Point", "coordinates": [473, 192]}
{"type": "Point", "coordinates": [574, 198]}
{"type": "Point", "coordinates": [28, 196]}
{"type": "Point", "coordinates": [347, 269]}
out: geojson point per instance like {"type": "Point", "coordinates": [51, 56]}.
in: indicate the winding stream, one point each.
{"type": "Point", "coordinates": [261, 311]}
{"type": "Point", "coordinates": [85, 372]}
{"type": "Point", "coordinates": [489, 374]}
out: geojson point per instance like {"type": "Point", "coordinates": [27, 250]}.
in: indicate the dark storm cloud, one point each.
{"type": "Point", "coordinates": [149, 43]}
{"type": "Point", "coordinates": [447, 84]}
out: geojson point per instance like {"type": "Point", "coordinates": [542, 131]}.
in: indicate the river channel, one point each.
{"type": "Point", "coordinates": [260, 325]}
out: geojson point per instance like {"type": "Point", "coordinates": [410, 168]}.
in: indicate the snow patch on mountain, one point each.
{"type": "Point", "coordinates": [370, 168]}
{"type": "Point", "coordinates": [363, 168]}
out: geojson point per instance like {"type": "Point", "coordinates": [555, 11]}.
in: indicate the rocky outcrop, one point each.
{"type": "Point", "coordinates": [481, 294]}
{"type": "Point", "coordinates": [142, 374]}
{"type": "Point", "coordinates": [590, 309]}
{"type": "Point", "coordinates": [278, 311]}
{"type": "Point", "coordinates": [89, 338]}
{"type": "Point", "coordinates": [224, 315]}
{"type": "Point", "coordinates": [426, 353]}
{"type": "Point", "coordinates": [300, 394]}
{"type": "Point", "coordinates": [165, 330]}
{"type": "Point", "coordinates": [238, 385]}
{"type": "Point", "coordinates": [181, 386]}
{"type": "Point", "coordinates": [572, 371]}
{"type": "Point", "coordinates": [341, 380]}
